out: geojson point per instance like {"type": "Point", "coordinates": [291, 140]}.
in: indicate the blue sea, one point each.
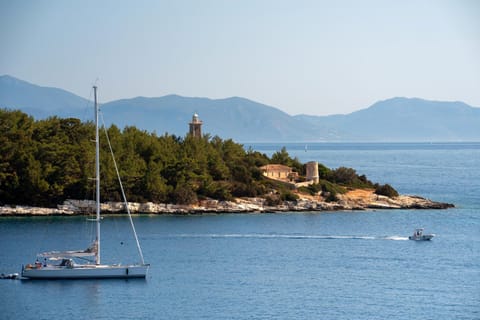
{"type": "Point", "coordinates": [327, 265]}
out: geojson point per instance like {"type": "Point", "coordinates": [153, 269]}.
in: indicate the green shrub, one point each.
{"type": "Point", "coordinates": [312, 189]}
{"type": "Point", "coordinates": [386, 190]}
{"type": "Point", "coordinates": [343, 175]}
{"type": "Point", "coordinates": [272, 200]}
{"type": "Point", "coordinates": [332, 197]}
{"type": "Point", "coordinates": [323, 171]}
{"type": "Point", "coordinates": [288, 196]}
{"type": "Point", "coordinates": [327, 186]}
{"type": "Point", "coordinates": [184, 194]}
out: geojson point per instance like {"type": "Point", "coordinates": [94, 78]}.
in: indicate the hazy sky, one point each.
{"type": "Point", "coordinates": [313, 57]}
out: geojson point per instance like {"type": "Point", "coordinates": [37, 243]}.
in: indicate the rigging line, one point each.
{"type": "Point", "coordinates": [123, 192]}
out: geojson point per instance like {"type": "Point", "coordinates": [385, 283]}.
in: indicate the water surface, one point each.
{"type": "Point", "coordinates": [336, 265]}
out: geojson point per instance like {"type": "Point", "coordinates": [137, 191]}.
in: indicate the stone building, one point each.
{"type": "Point", "coordinates": [196, 126]}
{"type": "Point", "coordinates": [312, 172]}
{"type": "Point", "coordinates": [279, 172]}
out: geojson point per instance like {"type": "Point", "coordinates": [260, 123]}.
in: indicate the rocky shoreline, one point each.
{"type": "Point", "coordinates": [353, 200]}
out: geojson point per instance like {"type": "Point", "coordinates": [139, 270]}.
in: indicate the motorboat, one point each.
{"type": "Point", "coordinates": [418, 235]}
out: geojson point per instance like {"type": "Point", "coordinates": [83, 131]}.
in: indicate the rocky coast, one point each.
{"type": "Point", "coordinates": [352, 200]}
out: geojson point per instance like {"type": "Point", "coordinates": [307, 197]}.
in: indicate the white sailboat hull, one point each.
{"type": "Point", "coordinates": [87, 272]}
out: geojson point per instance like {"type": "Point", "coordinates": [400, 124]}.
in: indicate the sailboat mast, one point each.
{"type": "Point", "coordinates": [97, 177]}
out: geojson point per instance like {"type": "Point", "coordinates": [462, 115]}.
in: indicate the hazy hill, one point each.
{"type": "Point", "coordinates": [405, 119]}
{"type": "Point", "coordinates": [38, 101]}
{"type": "Point", "coordinates": [397, 119]}
{"type": "Point", "coordinates": [237, 118]}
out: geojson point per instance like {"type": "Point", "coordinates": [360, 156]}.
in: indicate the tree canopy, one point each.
{"type": "Point", "coordinates": [46, 162]}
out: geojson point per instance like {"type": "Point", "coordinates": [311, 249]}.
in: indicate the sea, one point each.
{"type": "Point", "coordinates": [309, 265]}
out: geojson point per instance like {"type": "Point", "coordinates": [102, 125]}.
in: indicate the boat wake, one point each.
{"type": "Point", "coordinates": [396, 238]}
{"type": "Point", "coordinates": [289, 236]}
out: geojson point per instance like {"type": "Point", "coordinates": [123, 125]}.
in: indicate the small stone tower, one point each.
{"type": "Point", "coordinates": [312, 171]}
{"type": "Point", "coordinates": [196, 126]}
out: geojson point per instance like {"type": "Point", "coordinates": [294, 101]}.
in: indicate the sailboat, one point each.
{"type": "Point", "coordinates": [63, 264]}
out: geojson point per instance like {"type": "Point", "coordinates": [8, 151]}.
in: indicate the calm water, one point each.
{"type": "Point", "coordinates": [341, 265]}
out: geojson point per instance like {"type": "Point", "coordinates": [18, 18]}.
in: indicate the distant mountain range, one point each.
{"type": "Point", "coordinates": [40, 102]}
{"type": "Point", "coordinates": [392, 120]}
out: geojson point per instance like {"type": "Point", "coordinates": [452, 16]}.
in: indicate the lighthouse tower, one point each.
{"type": "Point", "coordinates": [196, 126]}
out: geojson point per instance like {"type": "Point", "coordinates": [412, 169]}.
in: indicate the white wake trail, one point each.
{"type": "Point", "coordinates": [287, 236]}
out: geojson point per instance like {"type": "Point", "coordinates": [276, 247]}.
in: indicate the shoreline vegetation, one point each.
{"type": "Point", "coordinates": [45, 163]}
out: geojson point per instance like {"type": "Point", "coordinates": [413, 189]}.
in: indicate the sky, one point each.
{"type": "Point", "coordinates": [303, 57]}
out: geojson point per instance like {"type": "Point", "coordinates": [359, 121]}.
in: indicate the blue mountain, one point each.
{"type": "Point", "coordinates": [396, 119]}
{"type": "Point", "coordinates": [405, 119]}
{"type": "Point", "coordinates": [237, 118]}
{"type": "Point", "coordinates": [38, 101]}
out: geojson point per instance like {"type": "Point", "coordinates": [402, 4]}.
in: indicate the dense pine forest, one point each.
{"type": "Point", "coordinates": [44, 162]}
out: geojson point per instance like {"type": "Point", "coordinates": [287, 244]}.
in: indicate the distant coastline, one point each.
{"type": "Point", "coordinates": [354, 200]}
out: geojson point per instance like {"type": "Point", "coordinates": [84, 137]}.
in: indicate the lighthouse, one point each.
{"type": "Point", "coordinates": [196, 126]}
